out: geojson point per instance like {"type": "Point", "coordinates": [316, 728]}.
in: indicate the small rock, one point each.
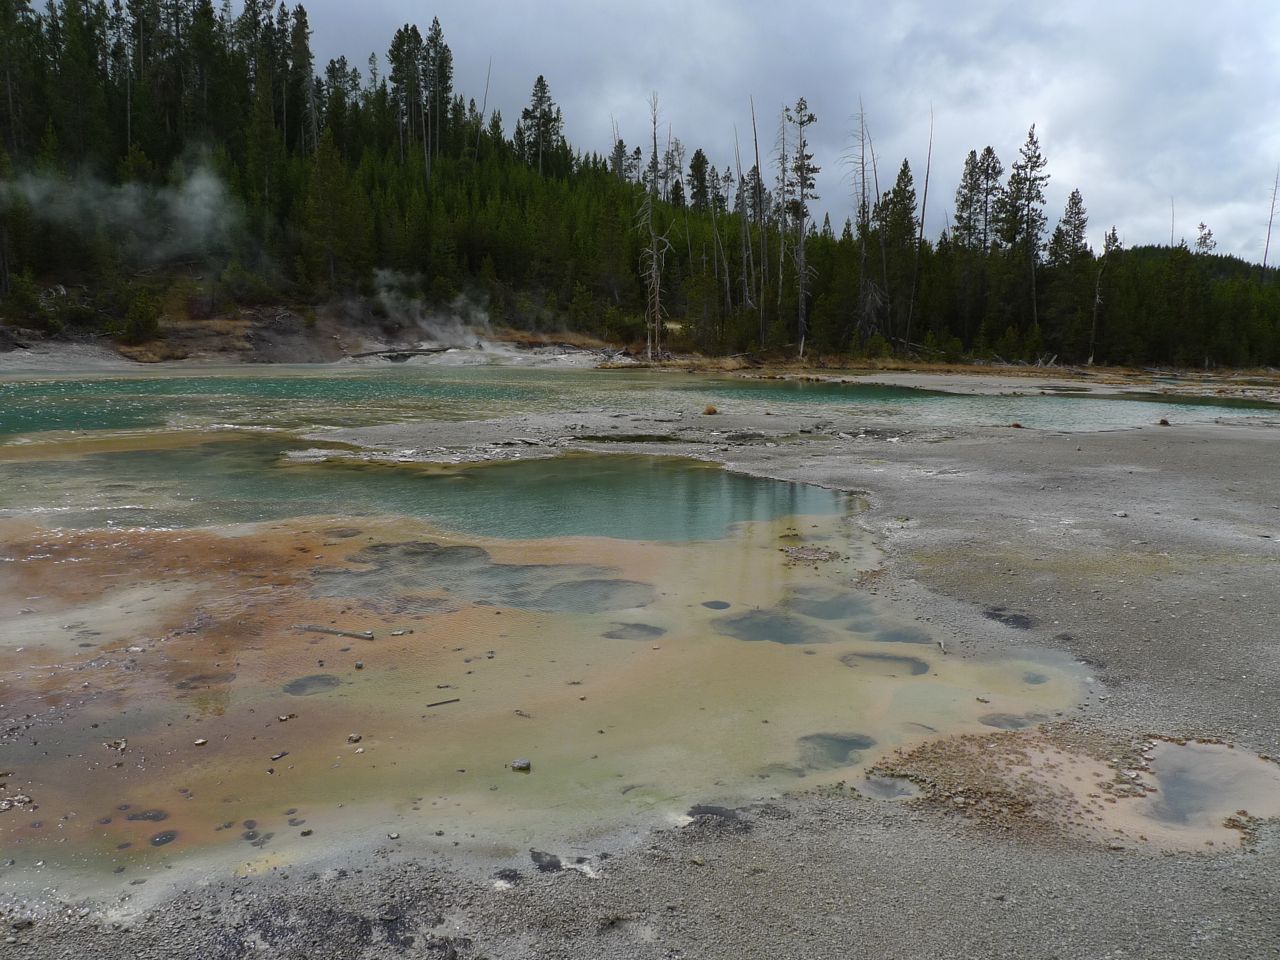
{"type": "Point", "coordinates": [354, 738]}
{"type": "Point", "coordinates": [522, 765]}
{"type": "Point", "coordinates": [201, 742]}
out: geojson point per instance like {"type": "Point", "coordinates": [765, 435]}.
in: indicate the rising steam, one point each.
{"type": "Point", "coordinates": [197, 217]}
{"type": "Point", "coordinates": [461, 324]}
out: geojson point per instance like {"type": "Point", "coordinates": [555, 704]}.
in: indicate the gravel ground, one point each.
{"type": "Point", "coordinates": [1151, 554]}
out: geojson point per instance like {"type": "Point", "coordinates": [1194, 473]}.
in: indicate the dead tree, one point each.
{"type": "Point", "coordinates": [1266, 249]}
{"type": "Point", "coordinates": [654, 255]}
{"type": "Point", "coordinates": [761, 225]}
{"type": "Point", "coordinates": [748, 260]}
{"type": "Point", "coordinates": [924, 204]}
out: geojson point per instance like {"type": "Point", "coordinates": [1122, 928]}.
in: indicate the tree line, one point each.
{"type": "Point", "coordinates": [326, 177]}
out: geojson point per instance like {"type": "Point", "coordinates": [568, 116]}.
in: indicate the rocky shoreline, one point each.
{"type": "Point", "coordinates": [1150, 554]}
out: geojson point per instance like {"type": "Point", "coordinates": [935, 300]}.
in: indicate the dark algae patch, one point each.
{"type": "Point", "coordinates": [202, 680]}
{"type": "Point", "coordinates": [634, 631]}
{"type": "Point", "coordinates": [313, 683]}
{"type": "Point", "coordinates": [395, 571]}
{"type": "Point", "coordinates": [829, 606]}
{"type": "Point", "coordinates": [910, 665]}
{"type": "Point", "coordinates": [823, 751]}
{"type": "Point", "coordinates": [768, 626]}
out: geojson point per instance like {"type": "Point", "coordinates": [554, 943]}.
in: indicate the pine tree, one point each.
{"type": "Point", "coordinates": [1071, 284]}
{"type": "Point", "coordinates": [990, 194]}
{"type": "Point", "coordinates": [1068, 240]}
{"type": "Point", "coordinates": [1021, 211]}
{"type": "Point", "coordinates": [699, 191]}
{"type": "Point", "coordinates": [1111, 248]}
{"type": "Point", "coordinates": [437, 73]}
{"type": "Point", "coordinates": [967, 224]}
{"type": "Point", "coordinates": [542, 122]}
{"type": "Point", "coordinates": [896, 222]}
{"type": "Point", "coordinates": [803, 171]}
{"type": "Point", "coordinates": [618, 160]}
{"type": "Point", "coordinates": [300, 88]}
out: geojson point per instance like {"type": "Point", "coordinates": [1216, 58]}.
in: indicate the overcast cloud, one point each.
{"type": "Point", "coordinates": [1134, 102]}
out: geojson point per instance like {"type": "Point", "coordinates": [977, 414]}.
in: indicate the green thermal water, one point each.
{"type": "Point", "coordinates": [301, 398]}
{"type": "Point", "coordinates": [246, 480]}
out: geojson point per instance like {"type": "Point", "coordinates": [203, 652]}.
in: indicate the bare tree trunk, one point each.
{"type": "Point", "coordinates": [653, 253]}
{"type": "Point", "coordinates": [1270, 220]}
{"type": "Point", "coordinates": [924, 205]}
{"type": "Point", "coordinates": [864, 224]}
{"type": "Point", "coordinates": [748, 261]}
{"type": "Point", "coordinates": [484, 106]}
{"type": "Point", "coordinates": [760, 221]}
{"type": "Point", "coordinates": [724, 259]}
{"type": "Point", "coordinates": [782, 207]}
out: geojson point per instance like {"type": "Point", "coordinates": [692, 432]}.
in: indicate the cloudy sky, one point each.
{"type": "Point", "coordinates": [1134, 101]}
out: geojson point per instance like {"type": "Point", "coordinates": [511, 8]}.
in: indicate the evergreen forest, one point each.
{"type": "Point", "coordinates": [144, 143]}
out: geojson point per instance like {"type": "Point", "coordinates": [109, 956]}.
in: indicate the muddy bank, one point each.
{"type": "Point", "coordinates": [1151, 555]}
{"type": "Point", "coordinates": [337, 333]}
